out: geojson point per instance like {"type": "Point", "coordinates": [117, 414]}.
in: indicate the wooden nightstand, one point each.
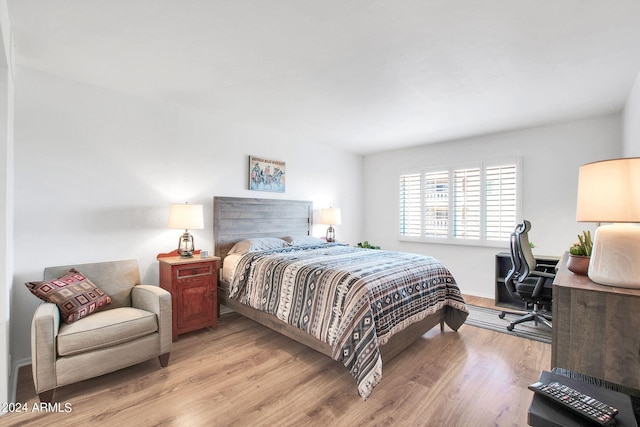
{"type": "Point", "coordinates": [193, 284]}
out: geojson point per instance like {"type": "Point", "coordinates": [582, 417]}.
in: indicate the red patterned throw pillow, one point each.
{"type": "Point", "coordinates": [74, 294]}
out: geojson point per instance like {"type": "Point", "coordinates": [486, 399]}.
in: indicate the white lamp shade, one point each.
{"type": "Point", "coordinates": [609, 191]}
{"type": "Point", "coordinates": [186, 217]}
{"type": "Point", "coordinates": [330, 216]}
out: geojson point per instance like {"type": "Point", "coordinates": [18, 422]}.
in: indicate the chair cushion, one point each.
{"type": "Point", "coordinates": [105, 329]}
{"type": "Point", "coordinates": [74, 294]}
{"type": "Point", "coordinates": [525, 289]}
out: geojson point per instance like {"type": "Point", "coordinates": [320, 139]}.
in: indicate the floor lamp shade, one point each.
{"type": "Point", "coordinates": [330, 217]}
{"type": "Point", "coordinates": [609, 191]}
{"type": "Point", "coordinates": [186, 217]}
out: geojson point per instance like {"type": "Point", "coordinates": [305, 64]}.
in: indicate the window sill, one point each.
{"type": "Point", "coordinates": [481, 244]}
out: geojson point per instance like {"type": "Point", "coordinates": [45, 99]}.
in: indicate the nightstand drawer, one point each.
{"type": "Point", "coordinates": [194, 270]}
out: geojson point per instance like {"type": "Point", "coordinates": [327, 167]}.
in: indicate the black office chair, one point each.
{"type": "Point", "coordinates": [527, 280]}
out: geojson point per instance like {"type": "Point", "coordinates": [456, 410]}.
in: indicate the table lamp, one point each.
{"type": "Point", "coordinates": [186, 216]}
{"type": "Point", "coordinates": [609, 191]}
{"type": "Point", "coordinates": [330, 217]}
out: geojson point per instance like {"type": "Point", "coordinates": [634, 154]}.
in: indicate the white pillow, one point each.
{"type": "Point", "coordinates": [257, 244]}
{"type": "Point", "coordinates": [304, 240]}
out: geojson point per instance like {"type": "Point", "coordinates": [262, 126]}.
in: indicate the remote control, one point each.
{"type": "Point", "coordinates": [579, 403]}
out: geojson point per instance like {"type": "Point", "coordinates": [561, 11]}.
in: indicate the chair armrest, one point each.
{"type": "Point", "coordinates": [156, 300]}
{"type": "Point", "coordinates": [542, 274]}
{"type": "Point", "coordinates": [541, 280]}
{"type": "Point", "coordinates": [549, 268]}
{"type": "Point", "coordinates": [44, 332]}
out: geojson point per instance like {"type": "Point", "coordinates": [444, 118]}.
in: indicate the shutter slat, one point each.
{"type": "Point", "coordinates": [501, 202]}
{"type": "Point", "coordinates": [410, 215]}
{"type": "Point", "coordinates": [467, 197]}
{"type": "Point", "coordinates": [436, 204]}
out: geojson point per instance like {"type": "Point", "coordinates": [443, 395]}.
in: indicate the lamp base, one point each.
{"type": "Point", "coordinates": [615, 259]}
{"type": "Point", "coordinates": [186, 245]}
{"type": "Point", "coordinates": [331, 234]}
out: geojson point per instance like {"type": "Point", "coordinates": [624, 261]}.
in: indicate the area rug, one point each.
{"type": "Point", "coordinates": [487, 318]}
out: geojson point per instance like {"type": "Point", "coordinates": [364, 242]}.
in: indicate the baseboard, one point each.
{"type": "Point", "coordinates": [14, 376]}
{"type": "Point", "coordinates": [478, 294]}
{"type": "Point", "coordinates": [224, 310]}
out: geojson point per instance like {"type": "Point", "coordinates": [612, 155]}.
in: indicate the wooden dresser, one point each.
{"type": "Point", "coordinates": [596, 328]}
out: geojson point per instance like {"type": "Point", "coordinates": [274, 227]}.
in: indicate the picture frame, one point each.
{"type": "Point", "coordinates": [267, 175]}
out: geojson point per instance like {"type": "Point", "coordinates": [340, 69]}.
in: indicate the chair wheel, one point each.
{"type": "Point", "coordinates": [501, 315]}
{"type": "Point", "coordinates": [510, 328]}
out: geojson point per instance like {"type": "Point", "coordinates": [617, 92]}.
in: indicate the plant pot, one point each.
{"type": "Point", "coordinates": [578, 264]}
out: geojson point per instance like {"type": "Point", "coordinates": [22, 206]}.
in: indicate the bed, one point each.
{"type": "Point", "coordinates": [359, 306]}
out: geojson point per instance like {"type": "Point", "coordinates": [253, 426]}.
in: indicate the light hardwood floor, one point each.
{"type": "Point", "coordinates": [243, 374]}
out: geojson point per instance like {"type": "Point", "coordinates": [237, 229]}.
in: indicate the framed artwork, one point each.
{"type": "Point", "coordinates": [266, 175]}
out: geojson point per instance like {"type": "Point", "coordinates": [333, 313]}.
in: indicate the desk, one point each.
{"type": "Point", "coordinates": [596, 328]}
{"type": "Point", "coordinates": [503, 265]}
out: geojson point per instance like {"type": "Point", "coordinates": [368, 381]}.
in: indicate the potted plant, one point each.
{"type": "Point", "coordinates": [580, 254]}
{"type": "Point", "coordinates": [367, 245]}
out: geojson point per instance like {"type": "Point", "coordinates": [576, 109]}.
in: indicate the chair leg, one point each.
{"type": "Point", "coordinates": [514, 313]}
{"type": "Point", "coordinates": [540, 317]}
{"type": "Point", "coordinates": [526, 318]}
{"type": "Point", "coordinates": [544, 320]}
{"type": "Point", "coordinates": [546, 316]}
{"type": "Point", "coordinates": [46, 396]}
{"type": "Point", "coordinates": [164, 359]}
{"type": "Point", "coordinates": [534, 315]}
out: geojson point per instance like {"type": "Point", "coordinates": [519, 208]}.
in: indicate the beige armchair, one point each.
{"type": "Point", "coordinates": [135, 327]}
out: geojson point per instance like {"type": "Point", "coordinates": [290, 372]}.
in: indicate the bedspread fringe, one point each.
{"type": "Point", "coordinates": [373, 378]}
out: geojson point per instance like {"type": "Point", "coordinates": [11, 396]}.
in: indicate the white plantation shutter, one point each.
{"type": "Point", "coordinates": [466, 204]}
{"type": "Point", "coordinates": [501, 202]}
{"type": "Point", "coordinates": [472, 205]}
{"type": "Point", "coordinates": [410, 205]}
{"type": "Point", "coordinates": [436, 204]}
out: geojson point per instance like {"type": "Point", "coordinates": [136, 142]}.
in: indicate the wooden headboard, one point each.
{"type": "Point", "coordinates": [238, 218]}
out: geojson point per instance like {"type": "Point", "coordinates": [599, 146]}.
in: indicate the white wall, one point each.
{"type": "Point", "coordinates": [551, 156]}
{"type": "Point", "coordinates": [6, 198]}
{"type": "Point", "coordinates": [97, 170]}
{"type": "Point", "coordinates": [631, 123]}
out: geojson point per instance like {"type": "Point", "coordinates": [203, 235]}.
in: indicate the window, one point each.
{"type": "Point", "coordinates": [466, 203]}
{"type": "Point", "coordinates": [501, 202]}
{"type": "Point", "coordinates": [410, 210]}
{"type": "Point", "coordinates": [476, 204]}
{"type": "Point", "coordinates": [436, 204]}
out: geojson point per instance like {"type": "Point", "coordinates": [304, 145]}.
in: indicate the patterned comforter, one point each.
{"type": "Point", "coordinates": [353, 299]}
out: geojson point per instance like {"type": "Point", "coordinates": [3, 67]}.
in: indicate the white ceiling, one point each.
{"type": "Point", "coordinates": [363, 75]}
